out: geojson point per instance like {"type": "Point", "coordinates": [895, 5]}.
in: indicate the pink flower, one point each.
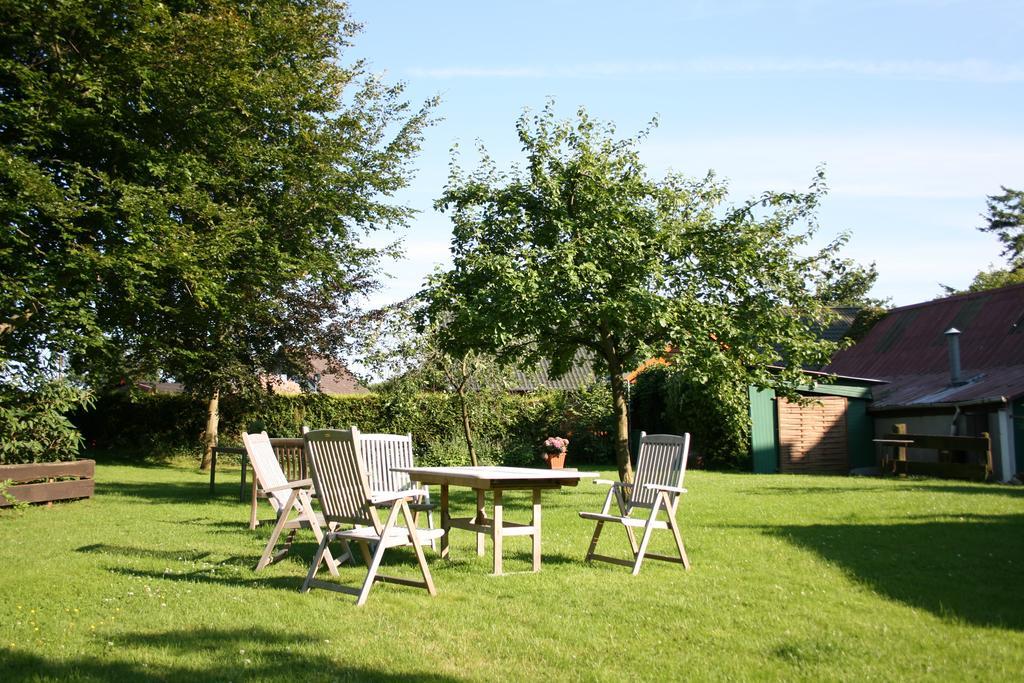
{"type": "Point", "coordinates": [553, 445]}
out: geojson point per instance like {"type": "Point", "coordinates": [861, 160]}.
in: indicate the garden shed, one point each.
{"type": "Point", "coordinates": [952, 366]}
{"type": "Point", "coordinates": [831, 432]}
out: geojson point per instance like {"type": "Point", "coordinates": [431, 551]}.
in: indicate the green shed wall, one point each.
{"type": "Point", "coordinates": [763, 438]}
{"type": "Point", "coordinates": [860, 432]}
{"type": "Point", "coordinates": [1018, 433]}
{"type": "Point", "coordinates": [860, 427]}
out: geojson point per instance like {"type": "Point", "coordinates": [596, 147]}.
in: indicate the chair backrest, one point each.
{"type": "Point", "coordinates": [267, 468]}
{"type": "Point", "coordinates": [661, 460]}
{"type": "Point", "coordinates": [380, 453]}
{"type": "Point", "coordinates": [340, 476]}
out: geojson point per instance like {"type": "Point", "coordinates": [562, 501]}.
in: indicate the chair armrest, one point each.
{"type": "Point", "coordinates": [670, 489]}
{"type": "Point", "coordinates": [300, 484]}
{"type": "Point", "coordinates": [391, 496]}
{"type": "Point", "coordinates": [618, 484]}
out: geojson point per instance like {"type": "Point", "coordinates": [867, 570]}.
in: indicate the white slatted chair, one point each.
{"type": "Point", "coordinates": [381, 453]}
{"type": "Point", "coordinates": [291, 460]}
{"type": "Point", "coordinates": [286, 497]}
{"type": "Point", "coordinates": [340, 479]}
{"type": "Point", "coordinates": [657, 486]}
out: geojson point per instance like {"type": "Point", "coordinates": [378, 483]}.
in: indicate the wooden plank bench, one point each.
{"type": "Point", "coordinates": [44, 482]}
{"type": "Point", "coordinates": [980, 447]}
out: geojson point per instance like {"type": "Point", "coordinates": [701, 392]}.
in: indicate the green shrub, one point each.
{"type": "Point", "coordinates": [508, 429]}
{"type": "Point", "coordinates": [34, 426]}
{"type": "Point", "coordinates": [716, 414]}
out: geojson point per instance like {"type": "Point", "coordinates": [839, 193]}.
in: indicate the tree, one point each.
{"type": "Point", "coordinates": [401, 343]}
{"type": "Point", "coordinates": [1006, 219]}
{"type": "Point", "coordinates": [186, 185]}
{"type": "Point", "coordinates": [580, 249]}
{"type": "Point", "coordinates": [847, 283]}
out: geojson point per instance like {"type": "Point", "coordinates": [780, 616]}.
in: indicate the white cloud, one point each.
{"type": "Point", "coordinates": [938, 164]}
{"type": "Point", "coordinates": [966, 70]}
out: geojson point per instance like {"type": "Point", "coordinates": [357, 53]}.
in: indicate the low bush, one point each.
{"type": "Point", "coordinates": [508, 429]}
{"type": "Point", "coordinates": [716, 414]}
{"type": "Point", "coordinates": [33, 418]}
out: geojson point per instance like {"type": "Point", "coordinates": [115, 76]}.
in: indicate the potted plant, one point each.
{"type": "Point", "coordinates": [553, 451]}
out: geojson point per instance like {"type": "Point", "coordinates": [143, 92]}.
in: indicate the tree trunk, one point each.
{"type": "Point", "coordinates": [620, 408]}
{"type": "Point", "coordinates": [466, 425]}
{"type": "Point", "coordinates": [212, 425]}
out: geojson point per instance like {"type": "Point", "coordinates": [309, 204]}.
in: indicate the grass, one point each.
{"type": "Point", "coordinates": [795, 578]}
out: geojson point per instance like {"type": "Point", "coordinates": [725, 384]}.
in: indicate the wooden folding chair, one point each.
{"type": "Point", "coordinates": [291, 458]}
{"type": "Point", "coordinates": [657, 487]}
{"type": "Point", "coordinates": [286, 497]}
{"type": "Point", "coordinates": [341, 481]}
{"type": "Point", "coordinates": [381, 454]}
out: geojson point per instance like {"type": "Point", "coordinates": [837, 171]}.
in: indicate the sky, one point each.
{"type": "Point", "coordinates": [914, 107]}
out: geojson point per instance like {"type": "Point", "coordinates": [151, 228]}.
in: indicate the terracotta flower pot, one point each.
{"type": "Point", "coordinates": [556, 461]}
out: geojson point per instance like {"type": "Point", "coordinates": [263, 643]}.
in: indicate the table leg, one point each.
{"type": "Point", "coordinates": [213, 469]}
{"type": "Point", "coordinates": [446, 522]}
{"type": "Point", "coordinates": [245, 465]}
{"type": "Point", "coordinates": [481, 518]}
{"type": "Point", "coordinates": [496, 531]}
{"type": "Point", "coordinates": [536, 530]}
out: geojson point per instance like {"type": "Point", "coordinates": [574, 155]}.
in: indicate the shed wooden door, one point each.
{"type": "Point", "coordinates": [812, 437]}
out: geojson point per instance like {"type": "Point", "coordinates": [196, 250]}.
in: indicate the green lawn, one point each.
{"type": "Point", "coordinates": [793, 578]}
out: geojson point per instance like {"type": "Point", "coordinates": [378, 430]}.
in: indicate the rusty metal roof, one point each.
{"type": "Point", "coordinates": [581, 374]}
{"type": "Point", "coordinates": [908, 349]}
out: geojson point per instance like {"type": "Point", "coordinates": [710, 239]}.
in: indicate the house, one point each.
{"type": "Point", "coordinates": [952, 366]}
{"type": "Point", "coordinates": [336, 381]}
{"type": "Point", "coordinates": [580, 375]}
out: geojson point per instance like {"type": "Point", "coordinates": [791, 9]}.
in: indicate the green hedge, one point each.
{"type": "Point", "coordinates": [716, 414]}
{"type": "Point", "coordinates": [508, 428]}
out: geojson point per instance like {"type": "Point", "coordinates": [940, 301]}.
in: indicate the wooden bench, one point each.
{"type": "Point", "coordinates": [43, 482]}
{"type": "Point", "coordinates": [976, 448]}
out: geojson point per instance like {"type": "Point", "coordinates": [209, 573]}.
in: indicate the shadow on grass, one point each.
{"type": "Point", "coordinates": [968, 569]}
{"type": "Point", "coordinates": [238, 654]}
{"type": "Point", "coordinates": [160, 492]}
{"type": "Point", "coordinates": [135, 551]}
{"type": "Point", "coordinates": [887, 485]}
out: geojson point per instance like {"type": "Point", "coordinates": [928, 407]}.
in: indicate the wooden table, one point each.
{"type": "Point", "coordinates": [498, 480]}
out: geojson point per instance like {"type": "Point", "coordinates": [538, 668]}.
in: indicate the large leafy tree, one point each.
{"type": "Point", "coordinates": [184, 185]}
{"type": "Point", "coordinates": [581, 249]}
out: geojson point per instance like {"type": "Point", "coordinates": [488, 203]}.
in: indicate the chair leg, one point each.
{"type": "Point", "coordinates": [253, 521]}
{"type": "Point", "coordinates": [593, 541]}
{"type": "Point", "coordinates": [266, 558]}
{"type": "Point", "coordinates": [643, 546]}
{"type": "Point", "coordinates": [314, 566]}
{"type": "Point", "coordinates": [314, 525]}
{"type": "Point", "coordinates": [364, 549]}
{"type": "Point", "coordinates": [378, 554]}
{"type": "Point", "coordinates": [648, 529]}
{"type": "Point", "coordinates": [414, 537]}
{"type": "Point", "coordinates": [430, 525]}
{"type": "Point", "coordinates": [632, 539]}
{"type": "Point", "coordinates": [371, 573]}
{"type": "Point", "coordinates": [674, 526]}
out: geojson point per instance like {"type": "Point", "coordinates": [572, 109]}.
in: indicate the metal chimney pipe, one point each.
{"type": "Point", "coordinates": [953, 337]}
